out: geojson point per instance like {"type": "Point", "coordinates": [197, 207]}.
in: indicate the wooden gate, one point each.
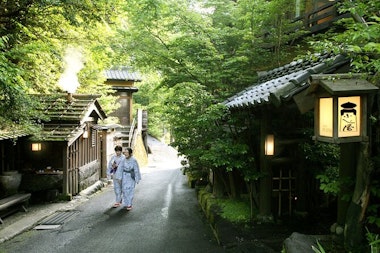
{"type": "Point", "coordinates": [72, 176]}
{"type": "Point", "coordinates": [83, 151]}
{"type": "Point", "coordinates": [283, 187]}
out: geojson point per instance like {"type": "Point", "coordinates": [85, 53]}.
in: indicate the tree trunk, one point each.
{"type": "Point", "coordinates": [353, 231]}
{"type": "Point", "coordinates": [219, 185]}
{"type": "Point", "coordinates": [235, 184]}
{"type": "Point", "coordinates": [252, 197]}
{"type": "Point", "coordinates": [233, 189]}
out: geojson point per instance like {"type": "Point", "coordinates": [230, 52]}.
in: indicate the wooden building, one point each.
{"type": "Point", "coordinates": [68, 146]}
{"type": "Point", "coordinates": [11, 160]}
{"type": "Point", "coordinates": [278, 102]}
{"type": "Point", "coordinates": [122, 81]}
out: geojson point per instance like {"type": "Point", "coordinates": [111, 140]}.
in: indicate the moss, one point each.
{"type": "Point", "coordinates": [208, 203]}
{"type": "Point", "coordinates": [64, 197]}
{"type": "Point", "coordinates": [236, 211]}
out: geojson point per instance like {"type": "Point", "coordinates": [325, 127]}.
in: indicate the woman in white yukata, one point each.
{"type": "Point", "coordinates": [112, 168]}
{"type": "Point", "coordinates": [129, 175]}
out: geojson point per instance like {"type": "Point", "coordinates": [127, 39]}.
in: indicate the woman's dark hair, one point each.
{"type": "Point", "coordinates": [118, 148]}
{"type": "Point", "coordinates": [130, 151]}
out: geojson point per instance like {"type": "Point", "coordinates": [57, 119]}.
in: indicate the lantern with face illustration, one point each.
{"type": "Point", "coordinates": [340, 108]}
{"type": "Point", "coordinates": [348, 118]}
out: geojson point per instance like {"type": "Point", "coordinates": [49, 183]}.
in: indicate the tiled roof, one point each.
{"type": "Point", "coordinates": [282, 83]}
{"type": "Point", "coordinates": [122, 74]}
{"type": "Point", "coordinates": [14, 134]}
{"type": "Point", "coordinates": [67, 115]}
{"type": "Point", "coordinates": [62, 107]}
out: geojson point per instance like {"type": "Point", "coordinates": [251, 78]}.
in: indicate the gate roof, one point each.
{"type": "Point", "coordinates": [280, 84]}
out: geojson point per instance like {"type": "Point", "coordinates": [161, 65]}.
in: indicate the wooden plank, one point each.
{"type": "Point", "coordinates": [14, 199]}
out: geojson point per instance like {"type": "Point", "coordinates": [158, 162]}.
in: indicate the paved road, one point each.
{"type": "Point", "coordinates": [165, 218]}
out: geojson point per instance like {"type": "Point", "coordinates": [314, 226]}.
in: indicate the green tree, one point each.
{"type": "Point", "coordinates": [360, 40]}
{"type": "Point", "coordinates": [34, 36]}
{"type": "Point", "coordinates": [203, 52]}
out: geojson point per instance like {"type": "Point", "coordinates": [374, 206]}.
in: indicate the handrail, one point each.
{"type": "Point", "coordinates": [137, 124]}
{"type": "Point", "coordinates": [131, 131]}
{"type": "Point", "coordinates": [321, 17]}
{"type": "Point", "coordinates": [327, 11]}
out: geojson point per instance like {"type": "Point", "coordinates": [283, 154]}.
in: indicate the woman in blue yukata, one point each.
{"type": "Point", "coordinates": [112, 167]}
{"type": "Point", "coordinates": [129, 175]}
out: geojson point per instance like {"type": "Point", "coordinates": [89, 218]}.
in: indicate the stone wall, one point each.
{"type": "Point", "coordinates": [89, 174]}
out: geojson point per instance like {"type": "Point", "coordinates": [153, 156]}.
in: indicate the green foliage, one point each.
{"type": "Point", "coordinates": [33, 39]}
{"type": "Point", "coordinates": [210, 48]}
{"type": "Point", "coordinates": [236, 211]}
{"type": "Point", "coordinates": [374, 207]}
{"type": "Point", "coordinates": [320, 155]}
{"type": "Point", "coordinates": [194, 131]}
{"type": "Point", "coordinates": [203, 52]}
{"type": "Point", "coordinates": [150, 97]}
{"type": "Point", "coordinates": [323, 160]}
{"type": "Point", "coordinates": [223, 153]}
{"type": "Point", "coordinates": [320, 248]}
{"type": "Point", "coordinates": [329, 181]}
{"type": "Point", "coordinates": [372, 239]}
{"type": "Point", "coordinates": [359, 40]}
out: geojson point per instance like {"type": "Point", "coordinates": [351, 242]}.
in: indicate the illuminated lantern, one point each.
{"type": "Point", "coordinates": [36, 146]}
{"type": "Point", "coordinates": [269, 144]}
{"type": "Point", "coordinates": [340, 108]}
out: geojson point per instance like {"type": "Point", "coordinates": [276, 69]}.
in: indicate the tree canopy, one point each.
{"type": "Point", "coordinates": [204, 52]}
{"type": "Point", "coordinates": [34, 38]}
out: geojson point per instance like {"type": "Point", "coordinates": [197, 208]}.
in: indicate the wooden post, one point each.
{"type": "Point", "coordinates": [347, 169]}
{"type": "Point", "coordinates": [353, 231]}
{"type": "Point", "coordinates": [103, 153]}
{"type": "Point", "coordinates": [265, 208]}
{"type": "Point", "coordinates": [65, 168]}
{"type": "Point", "coordinates": [139, 120]}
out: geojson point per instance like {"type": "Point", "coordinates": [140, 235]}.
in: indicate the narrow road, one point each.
{"type": "Point", "coordinates": [165, 218]}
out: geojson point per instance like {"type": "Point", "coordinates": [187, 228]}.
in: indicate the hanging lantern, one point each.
{"type": "Point", "coordinates": [36, 146]}
{"type": "Point", "coordinates": [269, 145]}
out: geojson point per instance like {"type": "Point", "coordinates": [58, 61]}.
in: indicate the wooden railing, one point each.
{"type": "Point", "coordinates": [139, 124]}
{"type": "Point", "coordinates": [321, 18]}
{"type": "Point", "coordinates": [131, 131]}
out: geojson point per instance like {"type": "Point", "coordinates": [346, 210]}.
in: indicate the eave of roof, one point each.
{"type": "Point", "coordinates": [342, 84]}
{"type": "Point", "coordinates": [12, 134]}
{"type": "Point", "coordinates": [284, 82]}
{"type": "Point", "coordinates": [123, 73]}
{"type": "Point", "coordinates": [68, 116]}
{"type": "Point", "coordinates": [69, 107]}
{"type": "Point", "coordinates": [123, 88]}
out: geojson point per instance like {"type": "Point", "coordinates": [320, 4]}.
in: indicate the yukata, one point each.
{"type": "Point", "coordinates": [129, 174]}
{"type": "Point", "coordinates": [117, 160]}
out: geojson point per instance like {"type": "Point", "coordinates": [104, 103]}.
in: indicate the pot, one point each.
{"type": "Point", "coordinates": [10, 182]}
